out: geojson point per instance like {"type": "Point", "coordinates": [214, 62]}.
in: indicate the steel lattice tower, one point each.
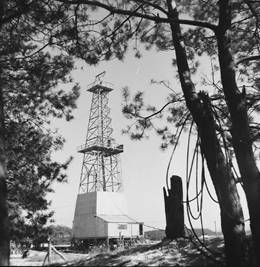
{"type": "Point", "coordinates": [101, 162]}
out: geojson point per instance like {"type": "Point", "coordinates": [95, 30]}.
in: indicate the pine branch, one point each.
{"type": "Point", "coordinates": [153, 114]}
{"type": "Point", "coordinates": [9, 15]}
{"type": "Point", "coordinates": [155, 6]}
{"type": "Point", "coordinates": [156, 19]}
{"type": "Point", "coordinates": [250, 58]}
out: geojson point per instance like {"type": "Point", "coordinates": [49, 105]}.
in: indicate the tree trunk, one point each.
{"type": "Point", "coordinates": [232, 220]}
{"type": "Point", "coordinates": [4, 223]}
{"type": "Point", "coordinates": [240, 130]}
{"type": "Point", "coordinates": [174, 212]}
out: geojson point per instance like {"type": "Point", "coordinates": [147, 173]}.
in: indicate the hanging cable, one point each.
{"type": "Point", "coordinates": [197, 159]}
{"type": "Point", "coordinates": [201, 203]}
{"type": "Point", "coordinates": [201, 247]}
{"type": "Point", "coordinates": [199, 191]}
{"type": "Point", "coordinates": [188, 184]}
{"type": "Point", "coordinates": [189, 211]}
{"type": "Point", "coordinates": [181, 127]}
{"type": "Point", "coordinates": [204, 178]}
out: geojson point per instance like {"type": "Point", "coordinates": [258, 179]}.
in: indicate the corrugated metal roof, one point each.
{"type": "Point", "coordinates": [117, 218]}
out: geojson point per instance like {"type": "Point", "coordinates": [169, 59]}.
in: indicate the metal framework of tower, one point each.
{"type": "Point", "coordinates": [101, 170]}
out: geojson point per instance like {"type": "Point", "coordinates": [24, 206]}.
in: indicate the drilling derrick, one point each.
{"type": "Point", "coordinates": [101, 209]}
{"type": "Point", "coordinates": [101, 162]}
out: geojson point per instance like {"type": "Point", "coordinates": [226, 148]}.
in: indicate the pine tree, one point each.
{"type": "Point", "coordinates": [29, 75]}
{"type": "Point", "coordinates": [228, 32]}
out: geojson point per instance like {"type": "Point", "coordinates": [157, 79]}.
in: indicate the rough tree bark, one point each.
{"type": "Point", "coordinates": [4, 223]}
{"type": "Point", "coordinates": [232, 220]}
{"type": "Point", "coordinates": [240, 131]}
{"type": "Point", "coordinates": [174, 211]}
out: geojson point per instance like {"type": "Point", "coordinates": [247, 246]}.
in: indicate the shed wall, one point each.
{"type": "Point", "coordinates": [86, 224]}
{"type": "Point", "coordinates": [111, 203]}
{"type": "Point", "coordinates": [132, 230]}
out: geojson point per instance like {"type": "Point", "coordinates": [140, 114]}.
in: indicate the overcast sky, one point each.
{"type": "Point", "coordinates": [144, 164]}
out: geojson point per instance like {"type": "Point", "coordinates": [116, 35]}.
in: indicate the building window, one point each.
{"type": "Point", "coordinates": [122, 226]}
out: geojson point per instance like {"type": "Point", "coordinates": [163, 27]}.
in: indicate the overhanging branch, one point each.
{"type": "Point", "coordinates": [155, 113]}
{"type": "Point", "coordinates": [155, 6]}
{"type": "Point", "coordinates": [156, 19]}
{"type": "Point", "coordinates": [251, 58]}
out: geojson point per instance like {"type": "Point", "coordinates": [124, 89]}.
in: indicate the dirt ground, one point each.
{"type": "Point", "coordinates": [175, 253]}
{"type": "Point", "coordinates": [36, 258]}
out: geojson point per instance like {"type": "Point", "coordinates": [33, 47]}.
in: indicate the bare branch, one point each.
{"type": "Point", "coordinates": [155, 113]}
{"type": "Point", "coordinates": [250, 58]}
{"type": "Point", "coordinates": [253, 11]}
{"type": "Point", "coordinates": [153, 5]}
{"type": "Point", "coordinates": [156, 19]}
{"type": "Point", "coordinates": [159, 111]}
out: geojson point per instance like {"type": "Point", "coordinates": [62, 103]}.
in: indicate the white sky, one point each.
{"type": "Point", "coordinates": [143, 163]}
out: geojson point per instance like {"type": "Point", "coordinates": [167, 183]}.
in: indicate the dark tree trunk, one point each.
{"type": "Point", "coordinates": [4, 223]}
{"type": "Point", "coordinates": [174, 211]}
{"type": "Point", "coordinates": [240, 131]}
{"type": "Point", "coordinates": [232, 220]}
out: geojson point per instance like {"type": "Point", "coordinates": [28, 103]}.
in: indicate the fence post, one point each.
{"type": "Point", "coordinates": [49, 250]}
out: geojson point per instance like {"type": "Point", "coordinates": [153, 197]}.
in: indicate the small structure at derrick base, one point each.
{"type": "Point", "coordinates": [101, 210]}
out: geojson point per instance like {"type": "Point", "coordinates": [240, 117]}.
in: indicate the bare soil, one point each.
{"type": "Point", "coordinates": [181, 252]}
